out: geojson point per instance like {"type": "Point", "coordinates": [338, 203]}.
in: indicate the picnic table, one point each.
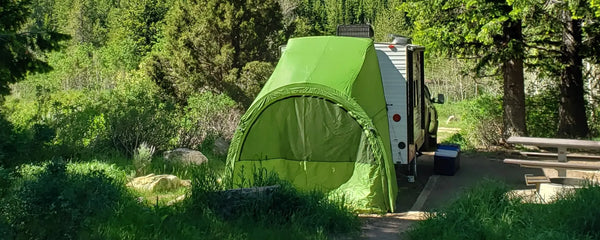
{"type": "Point", "coordinates": [562, 145]}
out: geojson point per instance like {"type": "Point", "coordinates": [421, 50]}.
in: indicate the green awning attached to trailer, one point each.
{"type": "Point", "coordinates": [320, 122]}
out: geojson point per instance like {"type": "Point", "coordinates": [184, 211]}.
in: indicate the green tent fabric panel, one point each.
{"type": "Point", "coordinates": [304, 175]}
{"type": "Point", "coordinates": [303, 129]}
{"type": "Point", "coordinates": [344, 71]}
{"type": "Point", "coordinates": [361, 192]}
{"type": "Point", "coordinates": [331, 61]}
{"type": "Point", "coordinates": [367, 88]}
{"type": "Point", "coordinates": [368, 93]}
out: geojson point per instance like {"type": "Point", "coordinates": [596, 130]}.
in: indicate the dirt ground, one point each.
{"type": "Point", "coordinates": [430, 192]}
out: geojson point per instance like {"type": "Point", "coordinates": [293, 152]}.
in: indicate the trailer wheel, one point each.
{"type": "Point", "coordinates": [431, 142]}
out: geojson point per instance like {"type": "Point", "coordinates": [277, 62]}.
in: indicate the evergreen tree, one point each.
{"type": "Point", "coordinates": [566, 31]}
{"type": "Point", "coordinates": [488, 30]}
{"type": "Point", "coordinates": [22, 49]}
{"type": "Point", "coordinates": [206, 45]}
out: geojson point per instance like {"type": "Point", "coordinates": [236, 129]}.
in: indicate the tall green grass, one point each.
{"type": "Point", "coordinates": [91, 202]}
{"type": "Point", "coordinates": [487, 212]}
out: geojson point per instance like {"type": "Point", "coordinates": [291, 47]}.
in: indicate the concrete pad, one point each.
{"type": "Point", "coordinates": [549, 192]}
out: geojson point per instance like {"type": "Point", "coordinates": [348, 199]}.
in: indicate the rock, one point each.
{"type": "Point", "coordinates": [156, 183]}
{"type": "Point", "coordinates": [221, 146]}
{"type": "Point", "coordinates": [234, 199]}
{"type": "Point", "coordinates": [185, 156]}
{"type": "Point", "coordinates": [176, 200]}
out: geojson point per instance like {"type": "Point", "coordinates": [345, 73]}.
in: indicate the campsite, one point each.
{"type": "Point", "coordinates": [299, 119]}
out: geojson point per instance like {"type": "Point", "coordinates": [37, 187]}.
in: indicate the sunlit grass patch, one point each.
{"type": "Point", "coordinates": [487, 212]}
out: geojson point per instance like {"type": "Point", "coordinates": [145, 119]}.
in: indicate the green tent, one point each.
{"type": "Point", "coordinates": [320, 122]}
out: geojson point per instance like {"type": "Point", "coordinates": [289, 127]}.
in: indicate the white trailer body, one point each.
{"type": "Point", "coordinates": [401, 67]}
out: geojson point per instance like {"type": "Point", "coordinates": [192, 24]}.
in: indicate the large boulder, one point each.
{"type": "Point", "coordinates": [158, 183]}
{"type": "Point", "coordinates": [185, 156]}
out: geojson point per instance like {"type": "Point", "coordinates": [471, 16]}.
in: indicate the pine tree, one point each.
{"type": "Point", "coordinates": [488, 30]}
{"type": "Point", "coordinates": [22, 49]}
{"type": "Point", "coordinates": [207, 44]}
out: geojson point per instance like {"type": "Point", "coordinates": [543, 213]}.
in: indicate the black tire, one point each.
{"type": "Point", "coordinates": [431, 143]}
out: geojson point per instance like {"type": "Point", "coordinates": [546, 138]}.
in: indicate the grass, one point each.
{"type": "Point", "coordinates": [91, 200]}
{"type": "Point", "coordinates": [456, 109]}
{"type": "Point", "coordinates": [487, 212]}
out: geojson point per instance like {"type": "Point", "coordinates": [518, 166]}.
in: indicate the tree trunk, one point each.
{"type": "Point", "coordinates": [571, 112]}
{"type": "Point", "coordinates": [514, 87]}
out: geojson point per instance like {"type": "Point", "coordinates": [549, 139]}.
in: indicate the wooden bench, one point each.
{"type": "Point", "coordinates": [562, 145]}
{"type": "Point", "coordinates": [531, 180]}
{"type": "Point", "coordinates": [557, 165]}
{"type": "Point", "coordinates": [584, 157]}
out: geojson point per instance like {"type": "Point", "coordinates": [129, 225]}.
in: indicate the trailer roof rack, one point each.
{"type": "Point", "coordinates": [355, 30]}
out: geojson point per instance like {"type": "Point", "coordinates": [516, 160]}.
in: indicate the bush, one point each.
{"type": "Point", "coordinates": [484, 118]}
{"type": "Point", "coordinates": [254, 76]}
{"type": "Point", "coordinates": [542, 114]}
{"type": "Point", "coordinates": [206, 116]}
{"type": "Point", "coordinates": [135, 115]}
{"type": "Point", "coordinates": [19, 144]}
{"type": "Point", "coordinates": [5, 181]}
{"type": "Point", "coordinates": [79, 122]}
{"type": "Point", "coordinates": [60, 205]}
{"type": "Point", "coordinates": [458, 139]}
{"type": "Point", "coordinates": [142, 157]}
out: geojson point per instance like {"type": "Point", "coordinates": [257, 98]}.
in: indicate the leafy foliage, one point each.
{"type": "Point", "coordinates": [54, 194]}
{"type": "Point", "coordinates": [142, 157]}
{"type": "Point", "coordinates": [21, 50]}
{"type": "Point", "coordinates": [135, 115]}
{"type": "Point", "coordinates": [207, 115]}
{"type": "Point", "coordinates": [209, 50]}
{"type": "Point", "coordinates": [484, 116]}
{"type": "Point", "coordinates": [542, 117]}
{"type": "Point", "coordinates": [489, 31]}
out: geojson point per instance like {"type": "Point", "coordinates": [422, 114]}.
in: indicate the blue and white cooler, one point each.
{"type": "Point", "coordinates": [446, 160]}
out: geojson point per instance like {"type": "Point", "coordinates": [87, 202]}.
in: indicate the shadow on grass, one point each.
{"type": "Point", "coordinates": [92, 204]}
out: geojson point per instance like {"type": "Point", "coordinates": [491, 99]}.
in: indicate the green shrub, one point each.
{"type": "Point", "coordinates": [135, 114]}
{"type": "Point", "coordinates": [79, 122]}
{"type": "Point", "coordinates": [20, 144]}
{"type": "Point", "coordinates": [88, 122]}
{"type": "Point", "coordinates": [61, 205]}
{"type": "Point", "coordinates": [484, 118]}
{"type": "Point", "coordinates": [5, 181]}
{"type": "Point", "coordinates": [8, 144]}
{"type": "Point", "coordinates": [458, 139]}
{"type": "Point", "coordinates": [542, 113]}
{"type": "Point", "coordinates": [207, 115]}
{"type": "Point", "coordinates": [254, 76]}
{"type": "Point", "coordinates": [142, 157]}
